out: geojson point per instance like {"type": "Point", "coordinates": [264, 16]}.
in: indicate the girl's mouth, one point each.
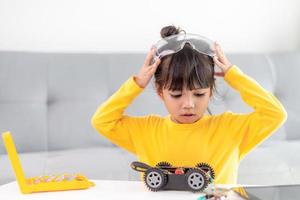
{"type": "Point", "coordinates": [188, 115]}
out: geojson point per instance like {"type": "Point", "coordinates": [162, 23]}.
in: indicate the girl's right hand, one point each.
{"type": "Point", "coordinates": [147, 70]}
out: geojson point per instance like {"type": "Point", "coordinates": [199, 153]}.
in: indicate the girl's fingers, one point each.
{"type": "Point", "coordinates": [216, 60]}
{"type": "Point", "coordinates": [219, 52]}
{"type": "Point", "coordinates": [154, 66]}
{"type": "Point", "coordinates": [219, 48]}
{"type": "Point", "coordinates": [157, 62]}
{"type": "Point", "coordinates": [221, 56]}
{"type": "Point", "coordinates": [149, 57]}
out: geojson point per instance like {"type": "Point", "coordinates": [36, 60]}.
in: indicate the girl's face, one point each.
{"type": "Point", "coordinates": [186, 106]}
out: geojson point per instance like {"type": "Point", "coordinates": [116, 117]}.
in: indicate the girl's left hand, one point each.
{"type": "Point", "coordinates": [220, 60]}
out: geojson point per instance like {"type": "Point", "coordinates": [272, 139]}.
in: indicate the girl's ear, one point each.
{"type": "Point", "coordinates": [159, 93]}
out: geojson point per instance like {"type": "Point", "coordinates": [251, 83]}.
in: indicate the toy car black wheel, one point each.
{"type": "Point", "coordinates": [207, 168]}
{"type": "Point", "coordinates": [196, 179]}
{"type": "Point", "coordinates": [163, 164]}
{"type": "Point", "coordinates": [155, 179]}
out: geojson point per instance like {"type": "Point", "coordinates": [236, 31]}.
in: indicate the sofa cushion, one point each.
{"type": "Point", "coordinates": [271, 164]}
{"type": "Point", "coordinates": [95, 163]}
{"type": "Point", "coordinates": [264, 166]}
{"type": "Point", "coordinates": [287, 89]}
{"type": "Point", "coordinates": [77, 85]}
{"type": "Point", "coordinates": [23, 97]}
{"type": "Point", "coordinates": [33, 164]}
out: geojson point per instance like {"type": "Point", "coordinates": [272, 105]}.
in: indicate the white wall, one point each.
{"type": "Point", "coordinates": [133, 25]}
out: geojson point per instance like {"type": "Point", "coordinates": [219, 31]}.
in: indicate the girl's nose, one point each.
{"type": "Point", "coordinates": [188, 103]}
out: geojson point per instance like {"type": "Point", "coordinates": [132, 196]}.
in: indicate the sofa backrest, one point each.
{"type": "Point", "coordinates": [48, 99]}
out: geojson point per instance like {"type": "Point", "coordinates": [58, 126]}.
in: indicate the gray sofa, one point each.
{"type": "Point", "coordinates": [47, 101]}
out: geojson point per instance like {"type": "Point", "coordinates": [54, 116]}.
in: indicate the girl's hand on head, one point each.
{"type": "Point", "coordinates": [147, 70]}
{"type": "Point", "coordinates": [220, 60]}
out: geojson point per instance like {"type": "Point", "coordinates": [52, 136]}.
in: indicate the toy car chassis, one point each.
{"type": "Point", "coordinates": [164, 176]}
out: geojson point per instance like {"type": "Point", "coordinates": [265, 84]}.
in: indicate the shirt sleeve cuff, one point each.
{"type": "Point", "coordinates": [133, 84]}
{"type": "Point", "coordinates": [231, 73]}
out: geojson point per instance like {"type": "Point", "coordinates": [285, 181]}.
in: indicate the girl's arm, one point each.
{"type": "Point", "coordinates": [109, 118]}
{"type": "Point", "coordinates": [269, 114]}
{"type": "Point", "coordinates": [110, 121]}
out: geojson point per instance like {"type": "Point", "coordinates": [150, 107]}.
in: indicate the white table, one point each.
{"type": "Point", "coordinates": [103, 189]}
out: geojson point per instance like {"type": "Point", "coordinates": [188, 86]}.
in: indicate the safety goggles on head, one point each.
{"type": "Point", "coordinates": [175, 43]}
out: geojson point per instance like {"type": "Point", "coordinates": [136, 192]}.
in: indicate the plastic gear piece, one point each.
{"type": "Point", "coordinates": [155, 179]}
{"type": "Point", "coordinates": [204, 167]}
{"type": "Point", "coordinates": [163, 164]}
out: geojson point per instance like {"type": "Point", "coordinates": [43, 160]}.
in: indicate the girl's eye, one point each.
{"type": "Point", "coordinates": [176, 95]}
{"type": "Point", "coordinates": [179, 95]}
{"type": "Point", "coordinates": [200, 95]}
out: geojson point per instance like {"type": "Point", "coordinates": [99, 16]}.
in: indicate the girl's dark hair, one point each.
{"type": "Point", "coordinates": [185, 69]}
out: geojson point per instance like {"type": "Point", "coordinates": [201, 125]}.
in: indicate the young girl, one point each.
{"type": "Point", "coordinates": [184, 81]}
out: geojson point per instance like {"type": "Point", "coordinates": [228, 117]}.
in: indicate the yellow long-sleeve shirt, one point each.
{"type": "Point", "coordinates": [220, 140]}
